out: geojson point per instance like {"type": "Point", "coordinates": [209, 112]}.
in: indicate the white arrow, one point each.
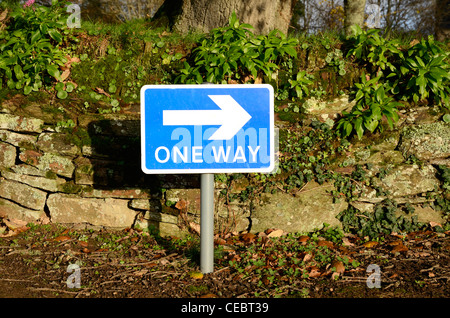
{"type": "Point", "coordinates": [231, 117]}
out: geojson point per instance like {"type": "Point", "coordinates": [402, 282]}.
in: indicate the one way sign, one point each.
{"type": "Point", "coordinates": [207, 128]}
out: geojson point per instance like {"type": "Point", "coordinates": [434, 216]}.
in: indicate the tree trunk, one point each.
{"type": "Point", "coordinates": [442, 19]}
{"type": "Point", "coordinates": [354, 14]}
{"type": "Point", "coordinates": [203, 15]}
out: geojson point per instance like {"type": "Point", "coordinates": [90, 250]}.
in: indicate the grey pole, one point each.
{"type": "Point", "coordinates": [207, 223]}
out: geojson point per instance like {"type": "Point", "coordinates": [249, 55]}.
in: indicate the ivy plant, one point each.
{"type": "Point", "coordinates": [31, 50]}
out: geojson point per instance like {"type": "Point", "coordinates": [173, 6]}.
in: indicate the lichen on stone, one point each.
{"type": "Point", "coordinates": [426, 141]}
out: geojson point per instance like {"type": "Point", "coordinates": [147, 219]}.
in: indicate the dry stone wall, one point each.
{"type": "Point", "coordinates": [90, 174]}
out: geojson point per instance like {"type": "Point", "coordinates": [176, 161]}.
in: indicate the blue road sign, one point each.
{"type": "Point", "coordinates": [207, 128]}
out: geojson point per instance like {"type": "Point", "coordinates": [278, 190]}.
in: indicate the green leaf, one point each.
{"type": "Point", "coordinates": [446, 118]}
{"type": "Point", "coordinates": [348, 129]}
{"type": "Point", "coordinates": [371, 124]}
{"type": "Point", "coordinates": [59, 86]}
{"type": "Point", "coordinates": [419, 60]}
{"type": "Point", "coordinates": [233, 21]}
{"type": "Point", "coordinates": [291, 51]}
{"type": "Point", "coordinates": [359, 95]}
{"type": "Point", "coordinates": [54, 71]}
{"type": "Point", "coordinates": [62, 94]}
{"type": "Point", "coordinates": [55, 35]}
{"type": "Point", "coordinates": [114, 102]}
{"type": "Point", "coordinates": [359, 127]}
{"type": "Point", "coordinates": [35, 36]}
{"type": "Point", "coordinates": [422, 85]}
{"type": "Point", "coordinates": [69, 87]}
{"type": "Point", "coordinates": [379, 94]}
{"type": "Point", "coordinates": [18, 71]}
{"type": "Point", "coordinates": [27, 89]}
{"type": "Point", "coordinates": [43, 28]}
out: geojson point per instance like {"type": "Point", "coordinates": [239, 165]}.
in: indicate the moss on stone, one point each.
{"type": "Point", "coordinates": [50, 174]}
{"type": "Point", "coordinates": [70, 188]}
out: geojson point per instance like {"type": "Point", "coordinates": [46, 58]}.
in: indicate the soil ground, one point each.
{"type": "Point", "coordinates": [133, 264]}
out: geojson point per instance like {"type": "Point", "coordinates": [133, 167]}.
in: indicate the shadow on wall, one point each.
{"type": "Point", "coordinates": [111, 162]}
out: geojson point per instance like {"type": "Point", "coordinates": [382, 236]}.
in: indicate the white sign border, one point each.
{"type": "Point", "coordinates": [269, 169]}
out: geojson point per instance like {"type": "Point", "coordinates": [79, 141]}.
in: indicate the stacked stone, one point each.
{"type": "Point", "coordinates": [50, 173]}
{"type": "Point", "coordinates": [44, 175]}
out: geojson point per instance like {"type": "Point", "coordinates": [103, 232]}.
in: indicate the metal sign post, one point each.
{"type": "Point", "coordinates": [207, 223]}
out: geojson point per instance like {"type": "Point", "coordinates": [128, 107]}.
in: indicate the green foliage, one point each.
{"type": "Point", "coordinates": [305, 155]}
{"type": "Point", "coordinates": [418, 73]}
{"type": "Point", "coordinates": [30, 47]}
{"type": "Point", "coordinates": [444, 175]}
{"type": "Point", "coordinates": [234, 53]}
{"type": "Point", "coordinates": [371, 48]}
{"type": "Point", "coordinates": [372, 104]}
{"type": "Point", "coordinates": [336, 60]}
{"type": "Point", "coordinates": [301, 84]}
{"type": "Point", "coordinates": [383, 220]}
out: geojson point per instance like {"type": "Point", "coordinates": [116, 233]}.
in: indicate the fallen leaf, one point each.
{"type": "Point", "coordinates": [65, 74]}
{"type": "Point", "coordinates": [413, 42]}
{"type": "Point", "coordinates": [83, 243]}
{"type": "Point", "coordinates": [196, 275]}
{"type": "Point", "coordinates": [314, 272]}
{"type": "Point", "coordinates": [220, 241]}
{"type": "Point", "coordinates": [61, 238]}
{"type": "Point", "coordinates": [276, 233]}
{"type": "Point", "coordinates": [181, 204]}
{"type": "Point", "coordinates": [14, 224]}
{"type": "Point", "coordinates": [14, 232]}
{"type": "Point", "coordinates": [235, 258]}
{"type": "Point", "coordinates": [433, 224]}
{"type": "Point", "coordinates": [395, 243]}
{"type": "Point", "coordinates": [338, 266]}
{"type": "Point", "coordinates": [86, 250]}
{"type": "Point", "coordinates": [102, 91]}
{"type": "Point", "coordinates": [3, 15]}
{"type": "Point", "coordinates": [399, 248]}
{"type": "Point", "coordinates": [325, 243]}
{"type": "Point", "coordinates": [248, 237]}
{"type": "Point", "coordinates": [303, 239]}
{"type": "Point", "coordinates": [141, 272]}
{"type": "Point", "coordinates": [346, 242]}
{"type": "Point", "coordinates": [307, 257]}
{"type": "Point", "coordinates": [265, 280]}
{"type": "Point", "coordinates": [152, 264]}
{"type": "Point", "coordinates": [422, 254]}
{"type": "Point", "coordinates": [195, 227]}
{"type": "Point", "coordinates": [370, 244]}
